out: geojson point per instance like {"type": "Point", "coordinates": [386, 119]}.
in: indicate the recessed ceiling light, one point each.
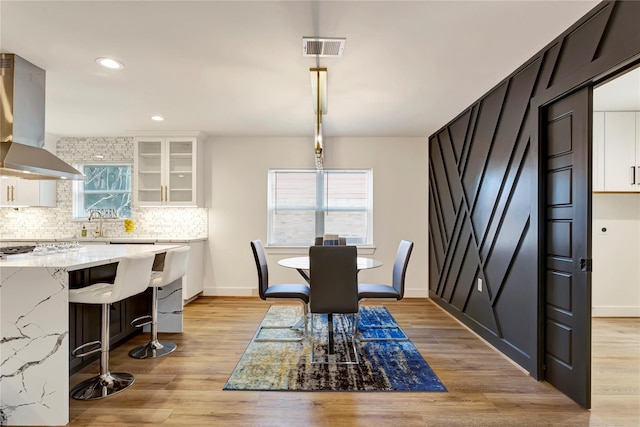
{"type": "Point", "coordinates": [110, 63]}
{"type": "Point", "coordinates": [157, 118]}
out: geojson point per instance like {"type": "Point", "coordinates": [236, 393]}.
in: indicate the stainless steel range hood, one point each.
{"type": "Point", "coordinates": [22, 99]}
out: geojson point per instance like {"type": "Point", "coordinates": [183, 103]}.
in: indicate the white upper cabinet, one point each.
{"type": "Point", "coordinates": [616, 151]}
{"type": "Point", "coordinates": [16, 192]}
{"type": "Point", "coordinates": [598, 151]}
{"type": "Point", "coordinates": [166, 172]}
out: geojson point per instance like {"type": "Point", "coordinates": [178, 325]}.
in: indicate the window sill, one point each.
{"type": "Point", "coordinates": [304, 250]}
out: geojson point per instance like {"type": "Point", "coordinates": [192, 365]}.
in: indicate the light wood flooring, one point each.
{"type": "Point", "coordinates": [485, 389]}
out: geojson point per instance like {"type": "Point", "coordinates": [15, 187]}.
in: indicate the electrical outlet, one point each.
{"type": "Point", "coordinates": [479, 284]}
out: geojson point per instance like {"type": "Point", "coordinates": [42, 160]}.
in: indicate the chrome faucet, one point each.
{"type": "Point", "coordinates": [99, 214]}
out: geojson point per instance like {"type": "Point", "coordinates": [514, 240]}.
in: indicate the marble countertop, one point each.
{"type": "Point", "coordinates": [86, 256]}
{"type": "Point", "coordinates": [120, 239]}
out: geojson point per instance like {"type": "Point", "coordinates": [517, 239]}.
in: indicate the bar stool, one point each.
{"type": "Point", "coordinates": [132, 277]}
{"type": "Point", "coordinates": [175, 266]}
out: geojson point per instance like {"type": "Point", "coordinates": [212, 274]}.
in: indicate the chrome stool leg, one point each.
{"type": "Point", "coordinates": [106, 384]}
{"type": "Point", "coordinates": [153, 348]}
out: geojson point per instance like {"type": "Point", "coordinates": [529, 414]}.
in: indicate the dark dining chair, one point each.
{"type": "Point", "coordinates": [320, 240]}
{"type": "Point", "coordinates": [334, 290]}
{"type": "Point", "coordinates": [396, 290]}
{"type": "Point", "coordinates": [297, 291]}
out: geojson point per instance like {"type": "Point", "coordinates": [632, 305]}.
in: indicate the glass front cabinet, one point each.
{"type": "Point", "coordinates": [166, 171]}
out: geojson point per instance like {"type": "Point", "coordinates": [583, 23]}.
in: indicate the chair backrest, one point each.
{"type": "Point", "coordinates": [320, 240]}
{"type": "Point", "coordinates": [261, 263]}
{"type": "Point", "coordinates": [400, 266]}
{"type": "Point", "coordinates": [334, 279]}
{"type": "Point", "coordinates": [132, 276]}
{"type": "Point", "coordinates": [175, 265]}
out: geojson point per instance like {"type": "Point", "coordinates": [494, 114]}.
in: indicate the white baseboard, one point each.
{"type": "Point", "coordinates": [615, 311]}
{"type": "Point", "coordinates": [230, 291]}
{"type": "Point", "coordinates": [416, 293]}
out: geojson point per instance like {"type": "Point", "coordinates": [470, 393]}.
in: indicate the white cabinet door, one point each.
{"type": "Point", "coordinates": [637, 151]}
{"type": "Point", "coordinates": [620, 166]}
{"type": "Point", "coordinates": [148, 183]}
{"type": "Point", "coordinates": [193, 281]}
{"type": "Point", "coordinates": [39, 192]}
{"type": "Point", "coordinates": [18, 192]}
{"type": "Point", "coordinates": [598, 151]}
{"type": "Point", "coordinates": [180, 171]}
{"type": "Point", "coordinates": [166, 172]}
{"type": "Point", "coordinates": [6, 191]}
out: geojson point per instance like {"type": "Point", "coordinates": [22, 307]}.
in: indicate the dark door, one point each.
{"type": "Point", "coordinates": [567, 303]}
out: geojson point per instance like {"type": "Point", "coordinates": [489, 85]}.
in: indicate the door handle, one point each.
{"type": "Point", "coordinates": [632, 175]}
{"type": "Point", "coordinates": [12, 193]}
{"type": "Point", "coordinates": [586, 264]}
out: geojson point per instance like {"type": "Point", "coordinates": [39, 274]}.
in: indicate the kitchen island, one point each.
{"type": "Point", "coordinates": [193, 281]}
{"type": "Point", "coordinates": [34, 311]}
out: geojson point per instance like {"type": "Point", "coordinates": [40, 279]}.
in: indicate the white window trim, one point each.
{"type": "Point", "coordinates": [78, 196]}
{"type": "Point", "coordinates": [290, 248]}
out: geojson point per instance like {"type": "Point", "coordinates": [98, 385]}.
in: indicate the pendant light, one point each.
{"type": "Point", "coordinates": [319, 92]}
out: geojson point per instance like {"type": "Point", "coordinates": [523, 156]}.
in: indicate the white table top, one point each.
{"type": "Point", "coordinates": [87, 256]}
{"type": "Point", "coordinates": [302, 263]}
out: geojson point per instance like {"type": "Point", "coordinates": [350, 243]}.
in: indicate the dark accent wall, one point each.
{"type": "Point", "coordinates": [484, 189]}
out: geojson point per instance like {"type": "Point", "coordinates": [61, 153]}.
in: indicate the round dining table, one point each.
{"type": "Point", "coordinates": [301, 263]}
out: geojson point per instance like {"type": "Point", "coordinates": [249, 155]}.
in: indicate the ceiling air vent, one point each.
{"type": "Point", "coordinates": [323, 46]}
{"type": "Point", "coordinates": [5, 63]}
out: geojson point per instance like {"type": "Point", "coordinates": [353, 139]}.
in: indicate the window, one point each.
{"type": "Point", "coordinates": [107, 188]}
{"type": "Point", "coordinates": [303, 204]}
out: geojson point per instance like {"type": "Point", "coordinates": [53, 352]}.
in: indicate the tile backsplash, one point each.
{"type": "Point", "coordinates": [55, 222]}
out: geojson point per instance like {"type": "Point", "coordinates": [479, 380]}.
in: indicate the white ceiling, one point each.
{"type": "Point", "coordinates": [236, 68]}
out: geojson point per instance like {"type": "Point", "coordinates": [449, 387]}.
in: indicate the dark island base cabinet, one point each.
{"type": "Point", "coordinates": [85, 319]}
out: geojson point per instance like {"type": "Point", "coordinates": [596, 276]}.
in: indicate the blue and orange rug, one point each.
{"type": "Point", "coordinates": [388, 359]}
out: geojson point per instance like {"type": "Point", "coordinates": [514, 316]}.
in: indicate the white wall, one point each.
{"type": "Point", "coordinates": [236, 175]}
{"type": "Point", "coordinates": [616, 254]}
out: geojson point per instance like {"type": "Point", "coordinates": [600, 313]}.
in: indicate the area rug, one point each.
{"type": "Point", "coordinates": [388, 359]}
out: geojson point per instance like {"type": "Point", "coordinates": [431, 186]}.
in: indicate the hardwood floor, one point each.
{"type": "Point", "coordinates": [485, 389]}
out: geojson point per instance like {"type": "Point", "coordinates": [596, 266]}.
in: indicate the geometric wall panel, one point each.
{"type": "Point", "coordinates": [485, 187]}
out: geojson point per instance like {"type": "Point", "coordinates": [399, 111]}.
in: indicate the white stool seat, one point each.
{"type": "Point", "coordinates": [175, 267]}
{"type": "Point", "coordinates": [93, 294]}
{"type": "Point", "coordinates": [132, 277]}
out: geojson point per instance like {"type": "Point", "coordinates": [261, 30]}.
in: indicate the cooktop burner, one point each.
{"type": "Point", "coordinates": [14, 250]}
